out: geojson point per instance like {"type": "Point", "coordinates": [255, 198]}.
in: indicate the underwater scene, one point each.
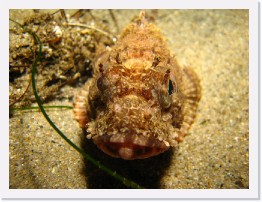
{"type": "Point", "coordinates": [155, 99]}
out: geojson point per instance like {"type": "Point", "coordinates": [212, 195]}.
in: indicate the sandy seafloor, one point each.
{"type": "Point", "coordinates": [215, 154]}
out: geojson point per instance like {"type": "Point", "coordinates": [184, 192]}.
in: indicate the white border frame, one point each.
{"type": "Point", "coordinates": [254, 176]}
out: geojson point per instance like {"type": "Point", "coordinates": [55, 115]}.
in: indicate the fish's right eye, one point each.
{"type": "Point", "coordinates": [100, 84]}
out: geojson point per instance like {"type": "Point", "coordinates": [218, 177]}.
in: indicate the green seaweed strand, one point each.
{"type": "Point", "coordinates": [125, 181]}
{"type": "Point", "coordinates": [45, 107]}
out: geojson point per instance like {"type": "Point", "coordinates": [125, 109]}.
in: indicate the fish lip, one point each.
{"type": "Point", "coordinates": [130, 147]}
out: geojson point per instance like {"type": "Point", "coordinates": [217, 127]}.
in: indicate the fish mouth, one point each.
{"type": "Point", "coordinates": [130, 147]}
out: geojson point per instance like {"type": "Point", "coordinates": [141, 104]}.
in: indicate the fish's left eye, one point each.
{"type": "Point", "coordinates": [170, 87]}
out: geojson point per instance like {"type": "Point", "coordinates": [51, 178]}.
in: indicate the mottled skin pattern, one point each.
{"type": "Point", "coordinates": [139, 101]}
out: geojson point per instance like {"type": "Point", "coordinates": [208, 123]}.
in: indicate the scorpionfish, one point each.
{"type": "Point", "coordinates": [139, 102]}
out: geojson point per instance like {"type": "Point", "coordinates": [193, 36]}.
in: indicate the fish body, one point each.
{"type": "Point", "coordinates": [140, 101]}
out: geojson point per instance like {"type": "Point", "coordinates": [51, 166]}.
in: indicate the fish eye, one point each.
{"type": "Point", "coordinates": [170, 87]}
{"type": "Point", "coordinates": [100, 84]}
